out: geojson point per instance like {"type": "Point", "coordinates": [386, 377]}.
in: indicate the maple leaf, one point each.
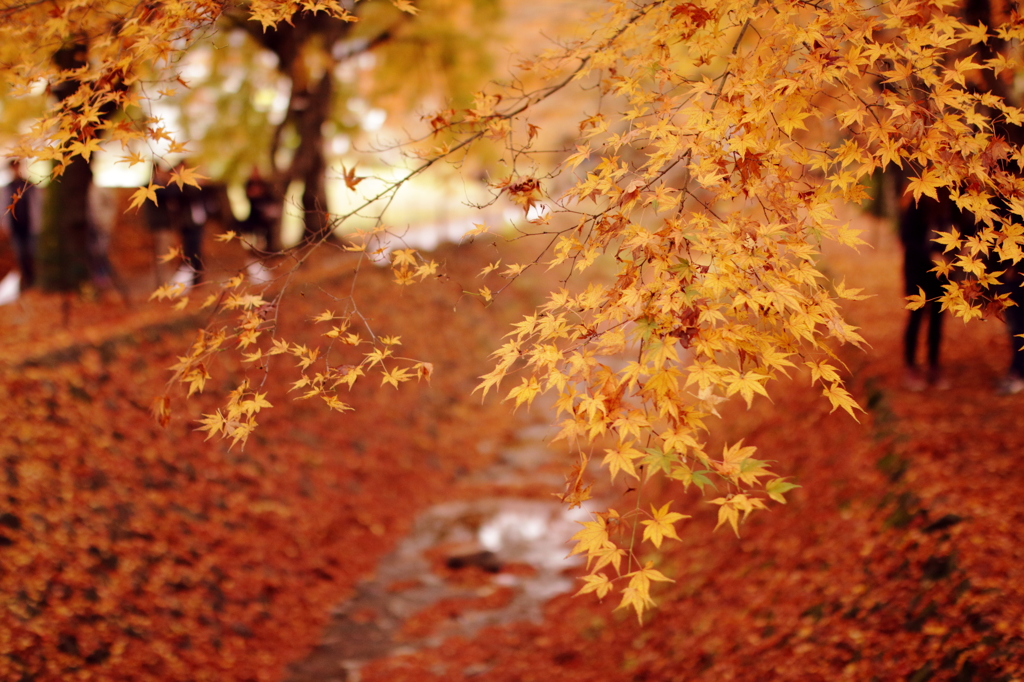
{"type": "Point", "coordinates": [395, 377]}
{"type": "Point", "coordinates": [86, 148]}
{"type": "Point", "coordinates": [213, 424]}
{"type": "Point", "coordinates": [777, 487]}
{"type": "Point", "coordinates": [823, 371]}
{"type": "Point", "coordinates": [592, 538]}
{"type": "Point", "coordinates": [404, 257]}
{"type": "Point", "coordinates": [840, 397]}
{"type": "Point", "coordinates": [525, 392]}
{"type": "Point", "coordinates": [950, 239]}
{"type": "Point", "coordinates": [132, 159]}
{"type": "Point", "coordinates": [747, 384]}
{"type": "Point", "coordinates": [143, 194]}
{"type": "Point", "coordinates": [255, 404]}
{"type": "Point", "coordinates": [350, 178]}
{"type": "Point", "coordinates": [597, 583]}
{"type": "Point", "coordinates": [849, 294]}
{"type": "Point", "coordinates": [176, 147]}
{"type": "Point", "coordinates": [621, 459]}
{"type": "Point", "coordinates": [660, 525]}
{"type": "Point", "coordinates": [196, 379]}
{"type": "Point", "coordinates": [173, 253]}
{"type": "Point", "coordinates": [727, 512]}
{"type": "Point", "coordinates": [424, 370]}
{"type": "Point", "coordinates": [325, 316]}
{"type": "Point", "coordinates": [917, 301]}
{"type": "Point", "coordinates": [638, 593]}
{"type": "Point", "coordinates": [405, 6]}
{"type": "Point", "coordinates": [187, 176]}
{"type": "Point", "coordinates": [161, 409]}
{"type": "Point", "coordinates": [927, 184]}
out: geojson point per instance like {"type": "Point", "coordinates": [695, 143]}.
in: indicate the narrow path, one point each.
{"type": "Point", "coordinates": [493, 553]}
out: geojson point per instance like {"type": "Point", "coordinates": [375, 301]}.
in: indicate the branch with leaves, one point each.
{"type": "Point", "coordinates": [700, 191]}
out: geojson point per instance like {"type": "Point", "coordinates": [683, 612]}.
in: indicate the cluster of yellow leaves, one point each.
{"type": "Point", "coordinates": [319, 377]}
{"type": "Point", "coordinates": [239, 418]}
{"type": "Point", "coordinates": [104, 59]}
{"type": "Point", "coordinates": [726, 135]}
{"type": "Point", "coordinates": [729, 133]}
{"type": "Point", "coordinates": [408, 270]}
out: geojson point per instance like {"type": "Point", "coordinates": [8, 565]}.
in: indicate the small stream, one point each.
{"type": "Point", "coordinates": [465, 565]}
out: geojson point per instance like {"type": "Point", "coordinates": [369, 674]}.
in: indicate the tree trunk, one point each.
{"type": "Point", "coordinates": [309, 164]}
{"type": "Point", "coordinates": [308, 110]}
{"type": "Point", "coordinates": [63, 250]}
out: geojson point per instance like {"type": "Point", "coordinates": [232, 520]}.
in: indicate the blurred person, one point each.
{"type": "Point", "coordinates": [919, 223]}
{"type": "Point", "coordinates": [102, 207]}
{"type": "Point", "coordinates": [182, 210]}
{"type": "Point", "coordinates": [102, 216]}
{"type": "Point", "coordinates": [264, 212]}
{"type": "Point", "coordinates": [158, 219]}
{"type": "Point", "coordinates": [189, 213]}
{"type": "Point", "coordinates": [22, 220]}
{"type": "Point", "coordinates": [1013, 381]}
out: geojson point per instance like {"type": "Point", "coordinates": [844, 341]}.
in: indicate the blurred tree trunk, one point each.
{"type": "Point", "coordinates": [308, 165]}
{"type": "Point", "coordinates": [305, 50]}
{"type": "Point", "coordinates": [63, 249]}
{"type": "Point", "coordinates": [62, 253]}
{"type": "Point", "coordinates": [307, 53]}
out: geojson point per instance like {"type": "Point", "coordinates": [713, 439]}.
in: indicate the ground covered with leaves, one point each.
{"type": "Point", "coordinates": [899, 558]}
{"type": "Point", "coordinates": [131, 552]}
{"type": "Point", "coordinates": [134, 552]}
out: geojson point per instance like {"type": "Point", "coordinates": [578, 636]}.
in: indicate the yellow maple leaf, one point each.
{"type": "Point", "coordinates": [660, 525]}
{"type": "Point", "coordinates": [840, 397]}
{"type": "Point", "coordinates": [597, 583]}
{"type": "Point", "coordinates": [395, 377]}
{"type": "Point", "coordinates": [593, 537]}
{"type": "Point", "coordinates": [213, 424]}
{"type": "Point", "coordinates": [927, 184]}
{"type": "Point", "coordinates": [325, 316]}
{"type": "Point", "coordinates": [621, 459]}
{"type": "Point", "coordinates": [525, 392]}
{"type": "Point", "coordinates": [143, 194]}
{"type": "Point", "coordinates": [916, 301]}
{"type": "Point", "coordinates": [727, 512]}
{"type": "Point", "coordinates": [638, 593]}
{"type": "Point", "coordinates": [404, 256]}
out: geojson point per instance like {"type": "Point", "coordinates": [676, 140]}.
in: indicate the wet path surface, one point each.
{"type": "Point", "coordinates": [465, 565]}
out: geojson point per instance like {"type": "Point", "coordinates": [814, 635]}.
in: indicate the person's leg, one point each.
{"type": "Point", "coordinates": [1015, 325]}
{"type": "Point", "coordinates": [162, 242]}
{"type": "Point", "coordinates": [1013, 381]}
{"type": "Point", "coordinates": [935, 318]}
{"type": "Point", "coordinates": [910, 337]}
{"type": "Point", "coordinates": [934, 333]}
{"type": "Point", "coordinates": [26, 259]}
{"type": "Point", "coordinates": [191, 243]}
{"type": "Point", "coordinates": [913, 380]}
